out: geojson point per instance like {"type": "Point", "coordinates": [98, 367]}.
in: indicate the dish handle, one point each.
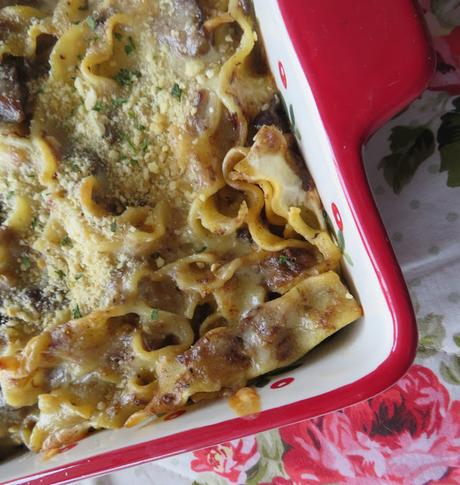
{"type": "Point", "coordinates": [365, 60]}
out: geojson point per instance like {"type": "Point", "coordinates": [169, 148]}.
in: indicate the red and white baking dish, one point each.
{"type": "Point", "coordinates": [343, 67]}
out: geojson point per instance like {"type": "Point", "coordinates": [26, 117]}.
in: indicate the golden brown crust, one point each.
{"type": "Point", "coordinates": [160, 242]}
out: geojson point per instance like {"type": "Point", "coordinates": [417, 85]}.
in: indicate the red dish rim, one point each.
{"type": "Point", "coordinates": [379, 250]}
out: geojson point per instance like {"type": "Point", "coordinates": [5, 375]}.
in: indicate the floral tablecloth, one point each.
{"type": "Point", "coordinates": [410, 434]}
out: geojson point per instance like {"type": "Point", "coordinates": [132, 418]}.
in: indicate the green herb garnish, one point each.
{"type": "Point", "coordinates": [144, 145]}
{"type": "Point", "coordinates": [130, 47]}
{"type": "Point", "coordinates": [66, 241]}
{"type": "Point", "coordinates": [113, 226]}
{"type": "Point", "coordinates": [155, 314]}
{"type": "Point", "coordinates": [76, 313]}
{"type": "Point", "coordinates": [60, 274]}
{"type": "Point", "coordinates": [10, 194]}
{"type": "Point", "coordinates": [78, 276]}
{"type": "Point", "coordinates": [119, 101]}
{"type": "Point", "coordinates": [202, 250]}
{"type": "Point", "coordinates": [282, 259]}
{"type": "Point", "coordinates": [117, 36]}
{"type": "Point", "coordinates": [25, 260]}
{"type": "Point", "coordinates": [125, 77]}
{"type": "Point", "coordinates": [176, 91]}
{"type": "Point", "coordinates": [99, 106]}
{"type": "Point", "coordinates": [130, 143]}
{"type": "Point", "coordinates": [91, 22]}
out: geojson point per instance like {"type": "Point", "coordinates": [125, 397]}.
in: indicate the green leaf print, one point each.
{"type": "Point", "coordinates": [450, 369]}
{"type": "Point", "coordinates": [341, 240]}
{"type": "Point", "coordinates": [456, 338]}
{"type": "Point", "coordinates": [270, 465]}
{"type": "Point", "coordinates": [432, 333]}
{"type": "Point", "coordinates": [253, 472]}
{"type": "Point", "coordinates": [449, 144]}
{"type": "Point", "coordinates": [447, 12]}
{"type": "Point", "coordinates": [410, 146]}
{"type": "Point", "coordinates": [270, 445]}
{"type": "Point", "coordinates": [293, 122]}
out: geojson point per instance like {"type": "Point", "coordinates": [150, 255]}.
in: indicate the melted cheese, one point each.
{"type": "Point", "coordinates": [143, 234]}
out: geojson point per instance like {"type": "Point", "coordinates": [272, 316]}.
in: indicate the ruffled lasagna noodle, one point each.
{"type": "Point", "coordinates": [161, 241]}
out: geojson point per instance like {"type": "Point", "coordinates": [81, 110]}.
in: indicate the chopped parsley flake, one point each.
{"type": "Point", "coordinates": [66, 241]}
{"type": "Point", "coordinates": [130, 47]}
{"type": "Point", "coordinates": [202, 250]}
{"type": "Point", "coordinates": [176, 91]}
{"type": "Point", "coordinates": [130, 143]}
{"type": "Point", "coordinates": [34, 223]}
{"type": "Point", "coordinates": [125, 77]}
{"type": "Point", "coordinates": [119, 101]}
{"type": "Point", "coordinates": [91, 23]}
{"type": "Point", "coordinates": [282, 259]}
{"type": "Point", "coordinates": [99, 106]}
{"type": "Point", "coordinates": [60, 274]}
{"type": "Point", "coordinates": [155, 314]}
{"type": "Point", "coordinates": [25, 260]}
{"type": "Point", "coordinates": [76, 313]}
{"type": "Point", "coordinates": [113, 226]}
{"type": "Point", "coordinates": [117, 36]}
{"type": "Point", "coordinates": [10, 194]}
{"type": "Point", "coordinates": [78, 276]}
{"type": "Point", "coordinates": [144, 145]}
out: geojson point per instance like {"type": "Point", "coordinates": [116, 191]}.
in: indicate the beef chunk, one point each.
{"type": "Point", "coordinates": [13, 91]}
{"type": "Point", "coordinates": [274, 115]}
{"type": "Point", "coordinates": [282, 268]}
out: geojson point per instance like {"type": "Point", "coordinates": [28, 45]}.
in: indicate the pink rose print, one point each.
{"type": "Point", "coordinates": [229, 460]}
{"type": "Point", "coordinates": [278, 481]}
{"type": "Point", "coordinates": [447, 76]}
{"type": "Point", "coordinates": [408, 435]}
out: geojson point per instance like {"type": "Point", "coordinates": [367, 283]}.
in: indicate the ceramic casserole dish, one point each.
{"type": "Point", "coordinates": [343, 68]}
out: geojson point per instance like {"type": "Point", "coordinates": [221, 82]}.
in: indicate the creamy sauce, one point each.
{"type": "Point", "coordinates": [245, 401]}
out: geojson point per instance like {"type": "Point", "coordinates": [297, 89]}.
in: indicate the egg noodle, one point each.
{"type": "Point", "coordinates": [161, 241]}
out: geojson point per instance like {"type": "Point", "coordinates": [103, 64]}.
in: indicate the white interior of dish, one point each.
{"type": "Point", "coordinates": [348, 356]}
